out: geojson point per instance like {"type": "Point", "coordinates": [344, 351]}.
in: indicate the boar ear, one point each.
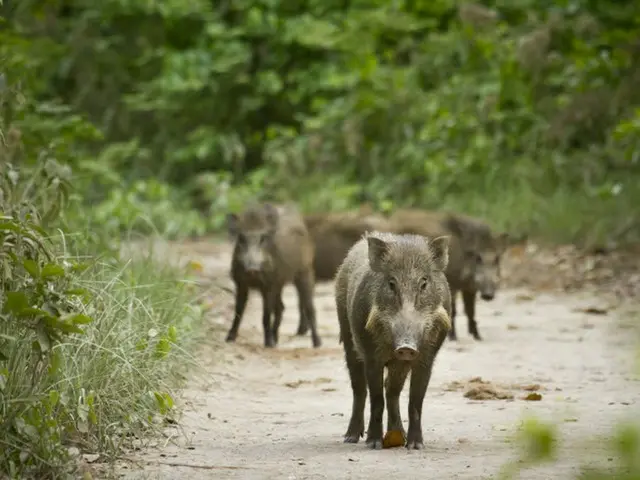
{"type": "Point", "coordinates": [232, 224]}
{"type": "Point", "coordinates": [271, 214]}
{"type": "Point", "coordinates": [502, 242]}
{"type": "Point", "coordinates": [454, 224]}
{"type": "Point", "coordinates": [440, 251]}
{"type": "Point", "coordinates": [378, 249]}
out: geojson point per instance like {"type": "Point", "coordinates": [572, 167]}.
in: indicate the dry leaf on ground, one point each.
{"type": "Point", "coordinates": [593, 310]}
{"type": "Point", "coordinates": [487, 392]}
{"type": "Point", "coordinates": [533, 397]}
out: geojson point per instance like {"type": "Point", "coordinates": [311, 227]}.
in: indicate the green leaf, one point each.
{"type": "Point", "coordinates": [164, 402]}
{"type": "Point", "coordinates": [172, 334]}
{"type": "Point", "coordinates": [141, 344]}
{"type": "Point", "coordinates": [62, 326]}
{"type": "Point", "coordinates": [75, 291]}
{"type": "Point", "coordinates": [34, 312]}
{"type": "Point", "coordinates": [15, 302]}
{"type": "Point", "coordinates": [26, 429]}
{"type": "Point", "coordinates": [44, 341]}
{"type": "Point", "coordinates": [539, 440]}
{"type": "Point", "coordinates": [163, 347]}
{"type": "Point", "coordinates": [54, 396]}
{"type": "Point", "coordinates": [32, 268]}
{"type": "Point", "coordinates": [10, 225]}
{"type": "Point", "coordinates": [52, 270]}
{"type": "Point", "coordinates": [627, 443]}
{"type": "Point", "coordinates": [68, 328]}
{"type": "Point", "coordinates": [55, 361]}
{"type": "Point", "coordinates": [93, 418]}
{"type": "Point", "coordinates": [76, 319]}
{"type": "Point", "coordinates": [79, 267]}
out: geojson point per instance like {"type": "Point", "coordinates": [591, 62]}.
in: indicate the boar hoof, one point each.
{"type": "Point", "coordinates": [374, 443]}
{"type": "Point", "coordinates": [231, 337]}
{"type": "Point", "coordinates": [354, 432]}
{"type": "Point", "coordinates": [415, 442]}
{"type": "Point", "coordinates": [302, 331]}
{"type": "Point", "coordinates": [351, 438]}
{"type": "Point", "coordinates": [452, 336]}
{"type": "Point", "coordinates": [316, 342]}
{"type": "Point", "coordinates": [415, 445]}
{"type": "Point", "coordinates": [476, 335]}
{"type": "Point", "coordinates": [269, 343]}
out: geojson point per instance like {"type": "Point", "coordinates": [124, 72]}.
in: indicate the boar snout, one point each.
{"type": "Point", "coordinates": [252, 268]}
{"type": "Point", "coordinates": [253, 262]}
{"type": "Point", "coordinates": [406, 340]}
{"type": "Point", "coordinates": [487, 281]}
{"type": "Point", "coordinates": [406, 352]}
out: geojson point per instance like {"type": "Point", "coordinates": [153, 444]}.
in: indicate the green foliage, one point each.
{"type": "Point", "coordinates": [539, 443]}
{"type": "Point", "coordinates": [128, 362]}
{"type": "Point", "coordinates": [490, 108]}
{"type": "Point", "coordinates": [41, 307]}
{"type": "Point", "coordinates": [89, 350]}
{"type": "Point", "coordinates": [161, 116]}
{"type": "Point", "coordinates": [148, 207]}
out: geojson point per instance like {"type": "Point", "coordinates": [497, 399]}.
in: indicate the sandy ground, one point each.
{"type": "Point", "coordinates": [252, 413]}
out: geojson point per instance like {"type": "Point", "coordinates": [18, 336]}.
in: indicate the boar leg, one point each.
{"type": "Point", "coordinates": [396, 376]}
{"type": "Point", "coordinates": [469, 300]}
{"type": "Point", "coordinates": [452, 331]}
{"type": "Point", "coordinates": [420, 376]}
{"type": "Point", "coordinates": [242, 295]}
{"type": "Point", "coordinates": [305, 284]}
{"type": "Point", "coordinates": [358, 378]}
{"type": "Point", "coordinates": [278, 311]}
{"type": "Point", "coordinates": [375, 374]}
{"type": "Point", "coordinates": [303, 325]}
{"type": "Point", "coordinates": [269, 301]}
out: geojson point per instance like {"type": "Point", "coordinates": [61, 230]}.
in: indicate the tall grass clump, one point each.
{"type": "Point", "coordinates": [91, 347]}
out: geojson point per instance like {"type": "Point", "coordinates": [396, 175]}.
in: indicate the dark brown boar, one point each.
{"type": "Point", "coordinates": [394, 307]}
{"type": "Point", "coordinates": [272, 248]}
{"type": "Point", "coordinates": [474, 256]}
{"type": "Point", "coordinates": [334, 234]}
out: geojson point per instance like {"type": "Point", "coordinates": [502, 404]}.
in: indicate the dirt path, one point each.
{"type": "Point", "coordinates": [280, 414]}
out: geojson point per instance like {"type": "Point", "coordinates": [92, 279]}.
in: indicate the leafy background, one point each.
{"type": "Point", "coordinates": [160, 116]}
{"type": "Point", "coordinates": [193, 107]}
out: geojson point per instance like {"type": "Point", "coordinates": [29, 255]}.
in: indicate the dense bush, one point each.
{"type": "Point", "coordinates": [88, 351]}
{"type": "Point", "coordinates": [522, 112]}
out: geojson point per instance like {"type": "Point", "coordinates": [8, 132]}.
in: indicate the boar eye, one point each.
{"type": "Point", "coordinates": [478, 260]}
{"type": "Point", "coordinates": [392, 285]}
{"type": "Point", "coordinates": [423, 284]}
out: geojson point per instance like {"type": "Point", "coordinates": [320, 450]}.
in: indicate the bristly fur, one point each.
{"type": "Point", "coordinates": [372, 284]}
